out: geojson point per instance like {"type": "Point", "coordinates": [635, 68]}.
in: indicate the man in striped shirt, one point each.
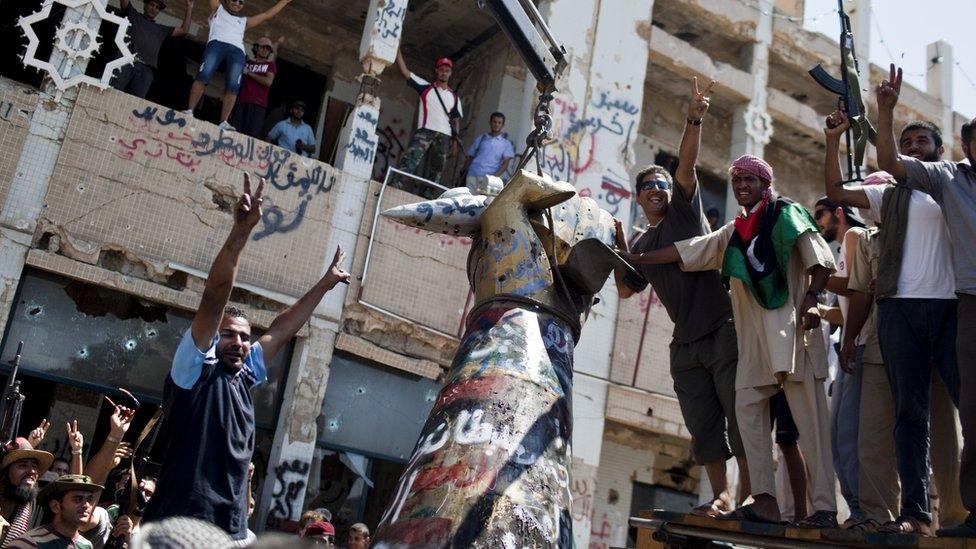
{"type": "Point", "coordinates": [71, 499]}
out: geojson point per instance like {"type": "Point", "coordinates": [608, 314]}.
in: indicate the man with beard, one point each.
{"type": "Point", "coordinates": [438, 122]}
{"type": "Point", "coordinates": [953, 186]}
{"type": "Point", "coordinates": [841, 224]}
{"type": "Point", "coordinates": [703, 349]}
{"type": "Point", "coordinates": [209, 435]}
{"type": "Point", "coordinates": [71, 499]}
{"type": "Point", "coordinates": [775, 282]}
{"type": "Point", "coordinates": [20, 469]}
{"type": "Point", "coordinates": [916, 326]}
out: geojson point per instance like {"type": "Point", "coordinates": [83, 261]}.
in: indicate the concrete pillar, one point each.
{"type": "Point", "coordinates": [39, 154]}
{"type": "Point", "coordinates": [283, 498]}
{"type": "Point", "coordinates": [596, 118]}
{"type": "Point", "coordinates": [752, 127]}
{"type": "Point", "coordinates": [939, 84]}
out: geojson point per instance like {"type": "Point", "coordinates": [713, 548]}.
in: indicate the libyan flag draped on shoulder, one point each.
{"type": "Point", "coordinates": [758, 253]}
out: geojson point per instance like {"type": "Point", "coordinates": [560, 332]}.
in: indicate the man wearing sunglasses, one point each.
{"type": "Point", "coordinates": [703, 346]}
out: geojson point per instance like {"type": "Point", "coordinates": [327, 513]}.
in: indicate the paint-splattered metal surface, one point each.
{"type": "Point", "coordinates": [491, 468]}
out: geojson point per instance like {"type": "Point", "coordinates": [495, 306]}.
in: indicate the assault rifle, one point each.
{"type": "Point", "coordinates": [848, 89]}
{"type": "Point", "coordinates": [11, 404]}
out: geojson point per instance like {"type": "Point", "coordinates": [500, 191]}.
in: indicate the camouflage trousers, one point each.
{"type": "Point", "coordinates": [432, 144]}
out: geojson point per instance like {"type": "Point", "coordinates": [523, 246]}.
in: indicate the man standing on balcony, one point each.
{"type": "Point", "coordinates": [293, 133]}
{"type": "Point", "coordinates": [147, 37]}
{"type": "Point", "coordinates": [207, 398]}
{"type": "Point", "coordinates": [490, 154]}
{"type": "Point", "coordinates": [252, 102]}
{"type": "Point", "coordinates": [703, 347]}
{"type": "Point", "coordinates": [438, 122]}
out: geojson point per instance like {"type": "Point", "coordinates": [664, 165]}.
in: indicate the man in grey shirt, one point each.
{"type": "Point", "coordinates": [147, 37]}
{"type": "Point", "coordinates": [953, 186]}
{"type": "Point", "coordinates": [704, 353]}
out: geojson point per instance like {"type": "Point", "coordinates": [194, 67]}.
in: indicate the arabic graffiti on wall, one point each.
{"type": "Point", "coordinates": [166, 135]}
{"type": "Point", "coordinates": [584, 140]}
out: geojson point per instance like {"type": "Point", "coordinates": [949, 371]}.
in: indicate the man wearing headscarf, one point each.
{"type": "Point", "coordinates": [778, 265]}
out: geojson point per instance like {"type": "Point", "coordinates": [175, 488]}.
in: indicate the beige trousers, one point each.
{"type": "Point", "coordinates": [808, 404]}
{"type": "Point", "coordinates": [944, 452]}
{"type": "Point", "coordinates": [877, 470]}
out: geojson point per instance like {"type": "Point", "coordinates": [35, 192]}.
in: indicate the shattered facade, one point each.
{"type": "Point", "coordinates": [105, 192]}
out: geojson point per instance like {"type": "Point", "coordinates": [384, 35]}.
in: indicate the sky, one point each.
{"type": "Point", "coordinates": [902, 29]}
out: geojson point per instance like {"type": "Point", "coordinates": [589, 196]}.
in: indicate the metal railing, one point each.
{"type": "Point", "coordinates": [372, 237]}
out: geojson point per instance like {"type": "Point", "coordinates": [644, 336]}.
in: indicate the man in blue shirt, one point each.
{"type": "Point", "coordinates": [293, 133]}
{"type": "Point", "coordinates": [489, 154]}
{"type": "Point", "coordinates": [209, 434]}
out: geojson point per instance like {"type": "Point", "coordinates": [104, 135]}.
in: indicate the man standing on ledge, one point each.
{"type": "Point", "coordinates": [778, 266]}
{"type": "Point", "coordinates": [703, 347]}
{"type": "Point", "coordinates": [438, 122]}
{"type": "Point", "coordinates": [209, 440]}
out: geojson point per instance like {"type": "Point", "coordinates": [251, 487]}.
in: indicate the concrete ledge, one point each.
{"type": "Point", "coordinates": [185, 299]}
{"type": "Point", "coordinates": [361, 347]}
{"type": "Point", "coordinates": [685, 60]}
{"type": "Point", "coordinates": [631, 406]}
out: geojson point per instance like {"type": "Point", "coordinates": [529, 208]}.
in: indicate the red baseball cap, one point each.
{"type": "Point", "coordinates": [319, 528]}
{"type": "Point", "coordinates": [445, 61]}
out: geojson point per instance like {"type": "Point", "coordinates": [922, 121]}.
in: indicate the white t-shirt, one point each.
{"type": "Point", "coordinates": [227, 28]}
{"type": "Point", "coordinates": [432, 115]}
{"type": "Point", "coordinates": [926, 265]}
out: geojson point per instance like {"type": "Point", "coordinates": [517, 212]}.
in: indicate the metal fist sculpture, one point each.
{"type": "Point", "coordinates": [492, 466]}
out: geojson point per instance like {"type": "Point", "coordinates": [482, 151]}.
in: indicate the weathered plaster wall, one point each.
{"type": "Point", "coordinates": [630, 456]}
{"type": "Point", "coordinates": [143, 179]}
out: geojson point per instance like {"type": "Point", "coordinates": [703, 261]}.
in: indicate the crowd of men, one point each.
{"type": "Point", "coordinates": [248, 84]}
{"type": "Point", "coordinates": [750, 348]}
{"type": "Point", "coordinates": [203, 490]}
{"type": "Point", "coordinates": [754, 303]}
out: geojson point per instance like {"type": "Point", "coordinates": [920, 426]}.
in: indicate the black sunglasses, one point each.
{"type": "Point", "coordinates": [660, 184]}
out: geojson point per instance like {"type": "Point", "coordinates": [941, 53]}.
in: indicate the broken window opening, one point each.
{"type": "Point", "coordinates": [99, 338]}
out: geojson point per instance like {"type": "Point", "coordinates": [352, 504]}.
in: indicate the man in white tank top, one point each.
{"type": "Point", "coordinates": [225, 46]}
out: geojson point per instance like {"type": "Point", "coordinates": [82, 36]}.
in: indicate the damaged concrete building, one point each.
{"type": "Point", "coordinates": [114, 207]}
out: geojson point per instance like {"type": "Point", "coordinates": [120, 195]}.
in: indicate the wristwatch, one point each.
{"type": "Point", "coordinates": [695, 121]}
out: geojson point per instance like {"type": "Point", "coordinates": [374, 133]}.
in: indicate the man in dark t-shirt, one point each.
{"type": "Point", "coordinates": [209, 435]}
{"type": "Point", "coordinates": [704, 354]}
{"type": "Point", "coordinates": [147, 37]}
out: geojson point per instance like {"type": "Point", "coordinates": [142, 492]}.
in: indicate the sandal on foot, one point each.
{"type": "Point", "coordinates": [818, 521]}
{"type": "Point", "coordinates": [867, 526]}
{"type": "Point", "coordinates": [747, 514]}
{"type": "Point", "coordinates": [906, 525]}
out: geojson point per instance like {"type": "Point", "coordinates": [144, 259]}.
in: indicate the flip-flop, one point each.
{"type": "Point", "coordinates": [746, 514]}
